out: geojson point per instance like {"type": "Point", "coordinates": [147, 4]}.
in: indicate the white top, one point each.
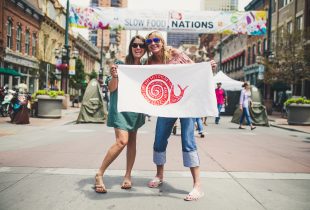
{"type": "Point", "coordinates": [245, 98]}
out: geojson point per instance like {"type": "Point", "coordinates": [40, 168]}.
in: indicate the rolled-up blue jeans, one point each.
{"type": "Point", "coordinates": [219, 107]}
{"type": "Point", "coordinates": [246, 114]}
{"type": "Point", "coordinates": [164, 127]}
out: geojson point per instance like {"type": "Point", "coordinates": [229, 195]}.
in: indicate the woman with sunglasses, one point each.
{"type": "Point", "coordinates": [125, 124]}
{"type": "Point", "coordinates": [158, 53]}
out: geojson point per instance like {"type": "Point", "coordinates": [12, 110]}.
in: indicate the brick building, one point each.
{"type": "Point", "coordinates": [20, 22]}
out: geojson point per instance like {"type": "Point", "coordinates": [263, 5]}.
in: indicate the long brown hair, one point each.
{"type": "Point", "coordinates": [164, 51]}
{"type": "Point", "coordinates": [130, 58]}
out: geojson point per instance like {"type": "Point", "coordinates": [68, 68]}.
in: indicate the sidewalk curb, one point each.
{"type": "Point", "coordinates": [289, 129]}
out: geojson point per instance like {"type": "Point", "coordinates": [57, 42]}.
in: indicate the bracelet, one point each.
{"type": "Point", "coordinates": [115, 77]}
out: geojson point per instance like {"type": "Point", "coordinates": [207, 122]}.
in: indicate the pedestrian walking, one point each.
{"type": "Point", "coordinates": [200, 127]}
{"type": "Point", "coordinates": [221, 99]}
{"type": "Point", "coordinates": [159, 53]}
{"type": "Point", "coordinates": [125, 124]}
{"type": "Point", "coordinates": [245, 100]}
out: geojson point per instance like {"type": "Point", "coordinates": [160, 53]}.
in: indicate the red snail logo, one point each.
{"type": "Point", "coordinates": [158, 90]}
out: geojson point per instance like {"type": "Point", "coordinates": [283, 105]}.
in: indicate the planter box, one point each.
{"type": "Point", "coordinates": [49, 107]}
{"type": "Point", "coordinates": [298, 114]}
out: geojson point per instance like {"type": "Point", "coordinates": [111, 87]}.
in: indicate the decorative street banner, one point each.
{"type": "Point", "coordinates": [249, 22]}
{"type": "Point", "coordinates": [72, 67]}
{"type": "Point", "coordinates": [176, 90]}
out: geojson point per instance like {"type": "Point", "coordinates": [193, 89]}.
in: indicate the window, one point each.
{"type": "Point", "coordinates": [113, 36]}
{"type": "Point", "coordinates": [259, 48]}
{"type": "Point", "coordinates": [9, 41]}
{"type": "Point", "coordinates": [27, 40]}
{"type": "Point", "coordinates": [281, 3]}
{"type": "Point", "coordinates": [19, 39]}
{"type": "Point", "coordinates": [34, 44]}
{"type": "Point", "coordinates": [116, 3]}
{"type": "Point", "coordinates": [249, 56]}
{"type": "Point", "coordinates": [290, 27]}
{"type": "Point", "coordinates": [264, 45]}
{"type": "Point", "coordinates": [281, 31]}
{"type": "Point", "coordinates": [273, 6]}
{"type": "Point", "coordinates": [273, 40]}
{"type": "Point", "coordinates": [299, 22]}
{"type": "Point", "coordinates": [253, 53]}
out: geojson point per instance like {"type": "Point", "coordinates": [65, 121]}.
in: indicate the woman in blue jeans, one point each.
{"type": "Point", "coordinates": [158, 53]}
{"type": "Point", "coordinates": [245, 99]}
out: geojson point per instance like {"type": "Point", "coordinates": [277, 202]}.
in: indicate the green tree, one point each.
{"type": "Point", "coordinates": [290, 64]}
{"type": "Point", "coordinates": [92, 75]}
{"type": "Point", "coordinates": [77, 80]}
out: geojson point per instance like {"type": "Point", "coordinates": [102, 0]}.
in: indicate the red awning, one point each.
{"type": "Point", "coordinates": [233, 56]}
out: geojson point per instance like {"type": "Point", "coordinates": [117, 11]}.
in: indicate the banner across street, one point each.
{"type": "Point", "coordinates": [225, 22]}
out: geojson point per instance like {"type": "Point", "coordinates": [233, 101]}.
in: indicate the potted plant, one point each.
{"type": "Point", "coordinates": [298, 111]}
{"type": "Point", "coordinates": [49, 103]}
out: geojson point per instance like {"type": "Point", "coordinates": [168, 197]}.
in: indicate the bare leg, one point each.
{"type": "Point", "coordinates": [160, 171]}
{"type": "Point", "coordinates": [131, 156]}
{"type": "Point", "coordinates": [158, 180]}
{"type": "Point", "coordinates": [195, 171]}
{"type": "Point", "coordinates": [112, 154]}
{"type": "Point", "coordinates": [196, 192]}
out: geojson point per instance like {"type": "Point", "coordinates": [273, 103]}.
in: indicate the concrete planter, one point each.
{"type": "Point", "coordinates": [49, 107]}
{"type": "Point", "coordinates": [298, 114]}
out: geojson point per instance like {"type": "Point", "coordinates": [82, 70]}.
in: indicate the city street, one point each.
{"type": "Point", "coordinates": [51, 163]}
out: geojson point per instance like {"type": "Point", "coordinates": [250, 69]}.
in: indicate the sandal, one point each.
{"type": "Point", "coordinates": [126, 185]}
{"type": "Point", "coordinates": [194, 195]}
{"type": "Point", "coordinates": [99, 186]}
{"type": "Point", "coordinates": [156, 182]}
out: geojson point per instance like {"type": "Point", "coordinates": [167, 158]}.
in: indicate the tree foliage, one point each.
{"type": "Point", "coordinates": [77, 80]}
{"type": "Point", "coordinates": [92, 75]}
{"type": "Point", "coordinates": [290, 63]}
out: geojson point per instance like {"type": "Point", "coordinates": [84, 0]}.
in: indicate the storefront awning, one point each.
{"type": "Point", "coordinates": [10, 72]}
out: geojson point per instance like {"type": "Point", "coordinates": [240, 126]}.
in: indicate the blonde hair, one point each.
{"type": "Point", "coordinates": [165, 53]}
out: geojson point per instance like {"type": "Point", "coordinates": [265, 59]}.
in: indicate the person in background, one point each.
{"type": "Point", "coordinates": [125, 124]}
{"type": "Point", "coordinates": [221, 99]}
{"type": "Point", "coordinates": [200, 127]}
{"type": "Point", "coordinates": [245, 100]}
{"type": "Point", "coordinates": [159, 53]}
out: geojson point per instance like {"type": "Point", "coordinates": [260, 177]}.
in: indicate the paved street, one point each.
{"type": "Point", "coordinates": [50, 164]}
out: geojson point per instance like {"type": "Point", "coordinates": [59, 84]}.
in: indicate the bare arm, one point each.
{"type": "Point", "coordinates": [113, 84]}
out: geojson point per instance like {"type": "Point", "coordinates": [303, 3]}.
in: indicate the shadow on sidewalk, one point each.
{"type": "Point", "coordinates": [86, 186]}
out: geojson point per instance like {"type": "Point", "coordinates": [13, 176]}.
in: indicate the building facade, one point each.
{"type": "Point", "coordinates": [222, 5]}
{"type": "Point", "coordinates": [177, 39]}
{"type": "Point", "coordinates": [113, 42]}
{"type": "Point", "coordinates": [88, 53]}
{"type": "Point", "coordinates": [256, 49]}
{"type": "Point", "coordinates": [52, 40]}
{"type": "Point", "coordinates": [233, 55]}
{"type": "Point", "coordinates": [291, 15]}
{"type": "Point", "coordinates": [19, 43]}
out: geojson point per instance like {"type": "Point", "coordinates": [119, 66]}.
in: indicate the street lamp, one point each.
{"type": "Point", "coordinates": [64, 54]}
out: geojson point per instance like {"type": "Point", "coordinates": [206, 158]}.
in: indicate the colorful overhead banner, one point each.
{"type": "Point", "coordinates": [249, 22]}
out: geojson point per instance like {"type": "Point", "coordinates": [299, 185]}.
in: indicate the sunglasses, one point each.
{"type": "Point", "coordinates": [135, 45]}
{"type": "Point", "coordinates": [150, 41]}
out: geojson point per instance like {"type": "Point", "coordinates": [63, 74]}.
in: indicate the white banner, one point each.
{"type": "Point", "coordinates": [225, 22]}
{"type": "Point", "coordinates": [176, 90]}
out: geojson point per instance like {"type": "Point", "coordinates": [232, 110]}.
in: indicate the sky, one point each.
{"type": "Point", "coordinates": [160, 4]}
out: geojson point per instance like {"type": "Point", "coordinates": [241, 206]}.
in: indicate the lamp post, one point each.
{"type": "Point", "coordinates": [101, 58]}
{"type": "Point", "coordinates": [268, 54]}
{"type": "Point", "coordinates": [66, 54]}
